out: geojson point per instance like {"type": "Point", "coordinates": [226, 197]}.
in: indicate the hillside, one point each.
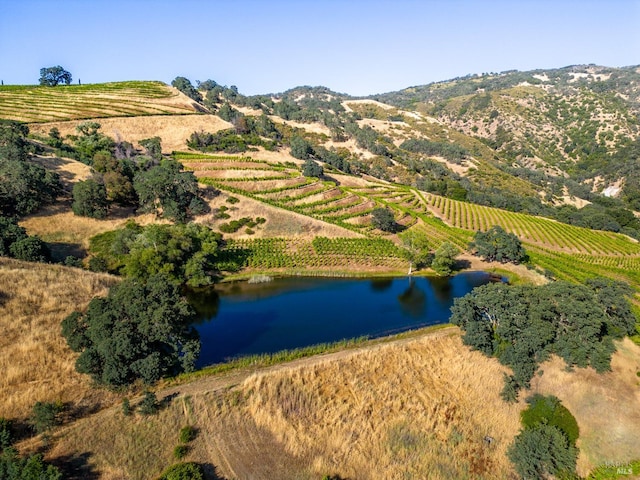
{"type": "Point", "coordinates": [578, 123]}
{"type": "Point", "coordinates": [119, 99]}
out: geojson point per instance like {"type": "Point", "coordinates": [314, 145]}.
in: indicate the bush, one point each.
{"type": "Point", "coordinates": [180, 451]}
{"type": "Point", "coordinates": [6, 438]}
{"type": "Point", "coordinates": [149, 404]}
{"type": "Point", "coordinates": [126, 407]}
{"type": "Point", "coordinates": [549, 411]}
{"type": "Point", "coordinates": [98, 264]}
{"type": "Point", "coordinates": [232, 200]}
{"type": "Point", "coordinates": [30, 249]}
{"type": "Point", "coordinates": [183, 471]}
{"type": "Point", "coordinates": [45, 416]}
{"type": "Point", "coordinates": [71, 261]}
{"type": "Point", "coordinates": [187, 434]}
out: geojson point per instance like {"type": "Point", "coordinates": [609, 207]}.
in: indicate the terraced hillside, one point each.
{"type": "Point", "coordinates": [566, 251]}
{"type": "Point", "coordinates": [30, 103]}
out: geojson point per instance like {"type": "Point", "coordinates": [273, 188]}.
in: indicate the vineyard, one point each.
{"type": "Point", "coordinates": [564, 251]}
{"type": "Point", "coordinates": [31, 103]}
{"type": "Point", "coordinates": [338, 254]}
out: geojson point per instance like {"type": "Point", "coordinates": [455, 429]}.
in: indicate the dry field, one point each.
{"type": "Point", "coordinates": [69, 234]}
{"type": "Point", "coordinates": [174, 130]}
{"type": "Point", "coordinates": [413, 409]}
{"type": "Point", "coordinates": [605, 406]}
{"type": "Point", "coordinates": [35, 362]}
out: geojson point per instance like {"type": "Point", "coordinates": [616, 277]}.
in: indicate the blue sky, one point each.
{"type": "Point", "coordinates": [353, 46]}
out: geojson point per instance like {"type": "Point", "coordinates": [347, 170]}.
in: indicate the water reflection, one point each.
{"type": "Point", "coordinates": [413, 300]}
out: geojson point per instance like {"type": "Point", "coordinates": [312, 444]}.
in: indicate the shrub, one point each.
{"type": "Point", "coordinates": [45, 415]}
{"type": "Point", "coordinates": [180, 451]}
{"type": "Point", "coordinates": [71, 261]}
{"type": "Point", "coordinates": [5, 434]}
{"type": "Point", "coordinates": [126, 407]}
{"type": "Point", "coordinates": [183, 471]}
{"type": "Point", "coordinates": [549, 411]}
{"type": "Point", "coordinates": [187, 434]}
{"type": "Point", "coordinates": [98, 264]}
{"type": "Point", "coordinates": [232, 200]}
{"type": "Point", "coordinates": [149, 404]}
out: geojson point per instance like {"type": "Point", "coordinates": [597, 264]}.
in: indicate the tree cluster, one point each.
{"type": "Point", "coordinates": [24, 185]}
{"type": "Point", "coordinates": [122, 176]}
{"type": "Point", "coordinates": [523, 325]}
{"type": "Point", "coordinates": [140, 331]}
{"type": "Point", "coordinates": [15, 467]}
{"type": "Point", "coordinates": [185, 253]}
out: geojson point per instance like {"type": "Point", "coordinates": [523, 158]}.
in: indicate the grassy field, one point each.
{"type": "Point", "coordinates": [418, 409]}
{"type": "Point", "coordinates": [36, 363]}
{"type": "Point", "coordinates": [32, 103]}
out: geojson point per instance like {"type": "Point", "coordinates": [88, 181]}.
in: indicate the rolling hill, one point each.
{"type": "Point", "coordinates": [545, 154]}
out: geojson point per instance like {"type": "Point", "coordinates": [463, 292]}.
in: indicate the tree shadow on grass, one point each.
{"type": "Point", "coordinates": [211, 472]}
{"type": "Point", "coordinates": [76, 466]}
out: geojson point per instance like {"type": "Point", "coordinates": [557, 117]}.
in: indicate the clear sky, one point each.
{"type": "Point", "coordinates": [358, 47]}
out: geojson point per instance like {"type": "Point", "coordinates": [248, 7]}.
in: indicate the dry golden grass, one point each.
{"type": "Point", "coordinates": [174, 130]}
{"type": "Point", "coordinates": [70, 171]}
{"type": "Point", "coordinates": [606, 406]}
{"type": "Point", "coordinates": [69, 234]}
{"type": "Point", "coordinates": [412, 409]}
{"type": "Point", "coordinates": [35, 362]}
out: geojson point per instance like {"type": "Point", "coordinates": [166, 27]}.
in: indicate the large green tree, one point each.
{"type": "Point", "coordinates": [383, 219]}
{"type": "Point", "coordinates": [543, 452]}
{"type": "Point", "coordinates": [444, 259]}
{"type": "Point", "coordinates": [169, 191]}
{"type": "Point", "coordinates": [415, 248]}
{"type": "Point", "coordinates": [496, 245]}
{"type": "Point", "coordinates": [90, 199]}
{"type": "Point", "coordinates": [139, 331]}
{"type": "Point", "coordinates": [52, 76]}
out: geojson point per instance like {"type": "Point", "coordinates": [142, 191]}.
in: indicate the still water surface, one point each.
{"type": "Point", "coordinates": [240, 319]}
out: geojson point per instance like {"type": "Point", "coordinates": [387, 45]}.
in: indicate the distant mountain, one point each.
{"type": "Point", "coordinates": [579, 122]}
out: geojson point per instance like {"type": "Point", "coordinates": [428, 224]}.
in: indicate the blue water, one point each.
{"type": "Point", "coordinates": [241, 319]}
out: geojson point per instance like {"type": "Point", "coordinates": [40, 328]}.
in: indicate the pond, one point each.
{"type": "Point", "coordinates": [242, 319]}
